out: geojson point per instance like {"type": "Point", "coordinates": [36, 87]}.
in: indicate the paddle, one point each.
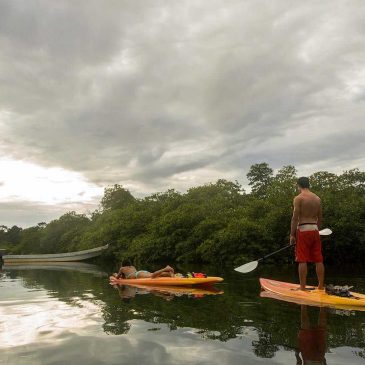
{"type": "Point", "coordinates": [253, 264]}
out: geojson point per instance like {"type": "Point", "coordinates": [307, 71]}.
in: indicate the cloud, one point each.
{"type": "Point", "coordinates": [162, 95]}
{"type": "Point", "coordinates": [25, 214]}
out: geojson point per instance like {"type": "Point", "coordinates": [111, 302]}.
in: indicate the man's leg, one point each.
{"type": "Point", "coordinates": [320, 274]}
{"type": "Point", "coordinates": [166, 271]}
{"type": "Point", "coordinates": [302, 270]}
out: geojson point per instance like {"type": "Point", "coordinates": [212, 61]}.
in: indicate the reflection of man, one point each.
{"type": "Point", "coordinates": [312, 340]}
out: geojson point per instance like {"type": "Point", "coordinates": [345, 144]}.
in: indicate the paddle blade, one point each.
{"type": "Point", "coordinates": [325, 232]}
{"type": "Point", "coordinates": [247, 267]}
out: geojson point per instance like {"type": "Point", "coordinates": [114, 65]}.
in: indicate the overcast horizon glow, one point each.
{"type": "Point", "coordinates": [159, 95]}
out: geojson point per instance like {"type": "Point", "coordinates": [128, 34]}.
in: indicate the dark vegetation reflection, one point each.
{"type": "Point", "coordinates": [275, 325]}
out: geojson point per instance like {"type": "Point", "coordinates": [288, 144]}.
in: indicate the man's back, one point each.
{"type": "Point", "coordinates": [309, 207]}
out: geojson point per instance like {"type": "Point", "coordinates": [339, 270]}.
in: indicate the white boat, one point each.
{"type": "Point", "coordinates": [56, 257]}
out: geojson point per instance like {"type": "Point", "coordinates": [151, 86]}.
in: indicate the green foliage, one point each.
{"type": "Point", "coordinates": [260, 178]}
{"type": "Point", "coordinates": [215, 223]}
{"type": "Point", "coordinates": [116, 197]}
{"type": "Point", "coordinates": [10, 236]}
{"type": "Point", "coordinates": [30, 241]}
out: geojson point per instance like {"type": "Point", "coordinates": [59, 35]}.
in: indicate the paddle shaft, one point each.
{"type": "Point", "coordinates": [291, 245]}
{"type": "Point", "coordinates": [253, 264]}
{"type": "Point", "coordinates": [273, 253]}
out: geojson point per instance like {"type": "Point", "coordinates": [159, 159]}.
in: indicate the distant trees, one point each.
{"type": "Point", "coordinates": [259, 178]}
{"type": "Point", "coordinates": [9, 237]}
{"type": "Point", "coordinates": [214, 223]}
{"type": "Point", "coordinates": [116, 197]}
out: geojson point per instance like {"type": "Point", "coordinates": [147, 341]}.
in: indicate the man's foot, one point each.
{"type": "Point", "coordinates": [301, 289]}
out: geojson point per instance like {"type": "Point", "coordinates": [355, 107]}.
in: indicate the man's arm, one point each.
{"type": "Point", "coordinates": [320, 217]}
{"type": "Point", "coordinates": [295, 220]}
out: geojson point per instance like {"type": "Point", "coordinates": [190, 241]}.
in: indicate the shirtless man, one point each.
{"type": "Point", "coordinates": [128, 271]}
{"type": "Point", "coordinates": [307, 218]}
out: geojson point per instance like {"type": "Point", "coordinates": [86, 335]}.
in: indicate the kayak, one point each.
{"type": "Point", "coordinates": [168, 281]}
{"type": "Point", "coordinates": [289, 292]}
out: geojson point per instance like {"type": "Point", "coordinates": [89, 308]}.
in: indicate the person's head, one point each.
{"type": "Point", "coordinates": [126, 262]}
{"type": "Point", "coordinates": [303, 183]}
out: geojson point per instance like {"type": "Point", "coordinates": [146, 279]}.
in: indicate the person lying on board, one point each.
{"type": "Point", "coordinates": [128, 271]}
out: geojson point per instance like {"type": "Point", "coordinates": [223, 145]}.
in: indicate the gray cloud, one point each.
{"type": "Point", "coordinates": [144, 93]}
{"type": "Point", "coordinates": [25, 214]}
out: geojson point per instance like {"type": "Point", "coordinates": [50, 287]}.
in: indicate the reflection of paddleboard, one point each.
{"type": "Point", "coordinates": [178, 290]}
{"type": "Point", "coordinates": [289, 293]}
{"type": "Point", "coordinates": [167, 281]}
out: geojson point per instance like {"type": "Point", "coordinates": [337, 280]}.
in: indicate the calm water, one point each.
{"type": "Point", "coordinates": [67, 315]}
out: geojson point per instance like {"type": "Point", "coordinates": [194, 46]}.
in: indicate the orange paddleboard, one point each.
{"type": "Point", "coordinates": [289, 292]}
{"type": "Point", "coordinates": [167, 281]}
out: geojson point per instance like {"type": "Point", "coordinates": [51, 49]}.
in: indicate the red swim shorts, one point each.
{"type": "Point", "coordinates": [308, 247]}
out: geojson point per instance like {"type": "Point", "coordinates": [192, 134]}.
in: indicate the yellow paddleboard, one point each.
{"type": "Point", "coordinates": [289, 292]}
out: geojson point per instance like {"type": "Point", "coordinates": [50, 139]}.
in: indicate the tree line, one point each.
{"type": "Point", "coordinates": [217, 223]}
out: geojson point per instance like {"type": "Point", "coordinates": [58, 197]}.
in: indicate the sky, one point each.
{"type": "Point", "coordinates": [155, 95]}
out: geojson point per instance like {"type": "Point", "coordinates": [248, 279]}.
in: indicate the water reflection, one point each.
{"type": "Point", "coordinates": [128, 292]}
{"type": "Point", "coordinates": [312, 338]}
{"type": "Point", "coordinates": [29, 315]}
{"type": "Point", "coordinates": [79, 314]}
{"type": "Point", "coordinates": [57, 266]}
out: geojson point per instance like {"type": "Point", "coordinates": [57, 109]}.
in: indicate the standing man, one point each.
{"type": "Point", "coordinates": [307, 218]}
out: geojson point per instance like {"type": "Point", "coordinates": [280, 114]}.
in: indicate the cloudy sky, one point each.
{"type": "Point", "coordinates": [170, 94]}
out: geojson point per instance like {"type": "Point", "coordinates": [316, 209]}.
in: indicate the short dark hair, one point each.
{"type": "Point", "coordinates": [126, 262]}
{"type": "Point", "coordinates": [303, 182]}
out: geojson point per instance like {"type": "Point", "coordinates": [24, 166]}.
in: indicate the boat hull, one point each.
{"type": "Point", "coordinates": [61, 257]}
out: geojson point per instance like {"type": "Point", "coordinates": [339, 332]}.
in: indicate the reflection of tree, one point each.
{"type": "Point", "coordinates": [116, 322]}
{"type": "Point", "coordinates": [67, 286]}
{"type": "Point", "coordinates": [264, 346]}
